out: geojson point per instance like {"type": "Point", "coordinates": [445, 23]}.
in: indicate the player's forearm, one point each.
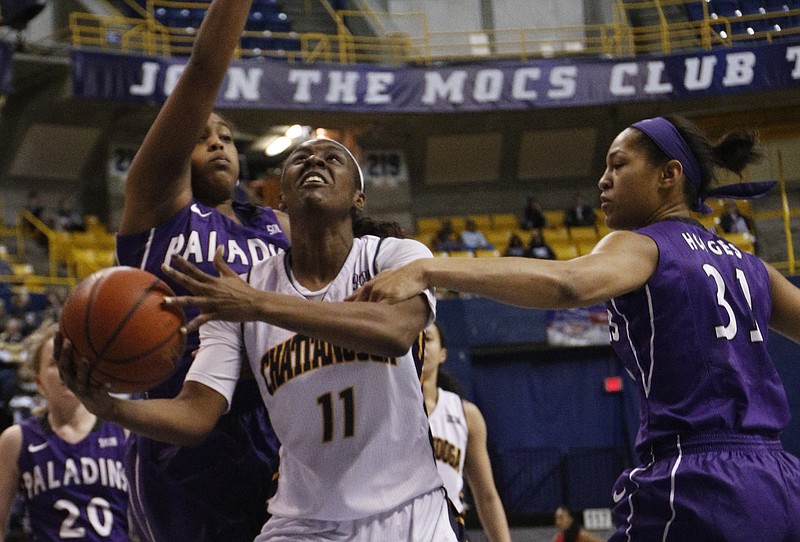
{"type": "Point", "coordinates": [166, 420]}
{"type": "Point", "coordinates": [218, 35]}
{"type": "Point", "coordinates": [377, 328]}
{"type": "Point", "coordinates": [493, 519]}
{"type": "Point", "coordinates": [524, 282]}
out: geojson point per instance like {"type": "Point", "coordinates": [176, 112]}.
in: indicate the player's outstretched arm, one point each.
{"type": "Point", "coordinates": [478, 472]}
{"type": "Point", "coordinates": [528, 282]}
{"type": "Point", "coordinates": [185, 420]}
{"type": "Point", "coordinates": [378, 328]}
{"type": "Point", "coordinates": [159, 179]}
{"type": "Point", "coordinates": [10, 448]}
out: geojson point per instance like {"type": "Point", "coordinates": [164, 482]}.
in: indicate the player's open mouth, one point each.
{"type": "Point", "coordinates": [313, 179]}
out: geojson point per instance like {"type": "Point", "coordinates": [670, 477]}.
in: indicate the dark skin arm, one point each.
{"type": "Point", "coordinates": [377, 328]}
{"type": "Point", "coordinates": [159, 179]}
{"type": "Point", "coordinates": [185, 420]}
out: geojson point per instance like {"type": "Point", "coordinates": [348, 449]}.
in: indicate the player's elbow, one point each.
{"type": "Point", "coordinates": [569, 291]}
{"type": "Point", "coordinates": [393, 340]}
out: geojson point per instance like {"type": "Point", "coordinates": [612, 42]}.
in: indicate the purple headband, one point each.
{"type": "Point", "coordinates": [667, 138]}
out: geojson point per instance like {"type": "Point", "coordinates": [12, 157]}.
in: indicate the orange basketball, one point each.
{"type": "Point", "coordinates": [115, 319]}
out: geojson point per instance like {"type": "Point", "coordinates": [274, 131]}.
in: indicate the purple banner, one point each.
{"type": "Point", "coordinates": [6, 65]}
{"type": "Point", "coordinates": [269, 84]}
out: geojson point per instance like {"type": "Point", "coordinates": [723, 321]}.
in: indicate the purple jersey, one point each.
{"type": "Point", "coordinates": [74, 491]}
{"type": "Point", "coordinates": [195, 233]}
{"type": "Point", "coordinates": [216, 491]}
{"type": "Point", "coordinates": [694, 339]}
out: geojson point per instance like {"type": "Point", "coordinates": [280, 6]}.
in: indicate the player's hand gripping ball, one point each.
{"type": "Point", "coordinates": [116, 319]}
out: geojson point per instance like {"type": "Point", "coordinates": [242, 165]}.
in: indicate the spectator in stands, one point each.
{"type": "Point", "coordinates": [22, 307]}
{"type": "Point", "coordinates": [709, 423]}
{"type": "Point", "coordinates": [446, 239]}
{"type": "Point", "coordinates": [515, 246]}
{"type": "Point", "coordinates": [472, 238]}
{"type": "Point", "coordinates": [533, 216]}
{"type": "Point", "coordinates": [570, 530]}
{"type": "Point", "coordinates": [537, 248]}
{"type": "Point", "coordinates": [67, 218]}
{"type": "Point", "coordinates": [13, 332]}
{"type": "Point", "coordinates": [459, 442]}
{"type": "Point", "coordinates": [580, 213]}
{"type": "Point", "coordinates": [35, 206]}
{"type": "Point", "coordinates": [733, 221]}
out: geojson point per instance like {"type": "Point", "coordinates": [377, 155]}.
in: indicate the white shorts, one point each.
{"type": "Point", "coordinates": [423, 519]}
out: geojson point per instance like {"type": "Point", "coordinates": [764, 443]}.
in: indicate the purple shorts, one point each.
{"type": "Point", "coordinates": [709, 488]}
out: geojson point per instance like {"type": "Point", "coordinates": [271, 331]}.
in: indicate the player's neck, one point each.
{"type": "Point", "coordinates": [226, 208]}
{"type": "Point", "coordinates": [71, 423]}
{"type": "Point", "coordinates": [317, 257]}
{"type": "Point", "coordinates": [430, 391]}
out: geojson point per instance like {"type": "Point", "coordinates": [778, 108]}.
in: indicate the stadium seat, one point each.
{"type": "Point", "coordinates": [555, 219]}
{"type": "Point", "coordinates": [583, 233]}
{"type": "Point", "coordinates": [457, 221]}
{"type": "Point", "coordinates": [564, 250]}
{"type": "Point", "coordinates": [428, 225]}
{"type": "Point", "coordinates": [498, 238]}
{"type": "Point", "coordinates": [460, 254]}
{"type": "Point", "coordinates": [709, 222]}
{"type": "Point", "coordinates": [483, 222]}
{"type": "Point", "coordinates": [694, 10]}
{"type": "Point", "coordinates": [585, 247]}
{"type": "Point", "coordinates": [556, 235]}
{"type": "Point", "coordinates": [744, 241]}
{"type": "Point", "coordinates": [505, 221]}
{"type": "Point", "coordinates": [487, 253]}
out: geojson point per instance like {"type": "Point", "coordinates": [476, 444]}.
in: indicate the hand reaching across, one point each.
{"type": "Point", "coordinates": [395, 285]}
{"type": "Point", "coordinates": [225, 297]}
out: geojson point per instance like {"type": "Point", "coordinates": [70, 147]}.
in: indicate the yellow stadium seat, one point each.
{"type": "Point", "coordinates": [585, 247]}
{"type": "Point", "coordinates": [709, 222]}
{"type": "Point", "coordinates": [555, 235]}
{"type": "Point", "coordinates": [483, 222]}
{"type": "Point", "coordinates": [564, 251]}
{"type": "Point", "coordinates": [487, 253]}
{"type": "Point", "coordinates": [457, 221]}
{"type": "Point", "coordinates": [461, 254]}
{"type": "Point", "coordinates": [505, 221]}
{"type": "Point", "coordinates": [744, 241]}
{"type": "Point", "coordinates": [603, 230]}
{"type": "Point", "coordinates": [498, 238]}
{"type": "Point", "coordinates": [428, 225]}
{"type": "Point", "coordinates": [583, 233]}
{"type": "Point", "coordinates": [424, 238]}
{"type": "Point", "coordinates": [555, 219]}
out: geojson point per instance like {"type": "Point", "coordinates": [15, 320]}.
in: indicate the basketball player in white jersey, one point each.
{"type": "Point", "coordinates": [459, 443]}
{"type": "Point", "coordinates": [340, 379]}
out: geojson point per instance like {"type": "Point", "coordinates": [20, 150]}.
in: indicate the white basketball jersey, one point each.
{"type": "Point", "coordinates": [449, 429]}
{"type": "Point", "coordinates": [353, 430]}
